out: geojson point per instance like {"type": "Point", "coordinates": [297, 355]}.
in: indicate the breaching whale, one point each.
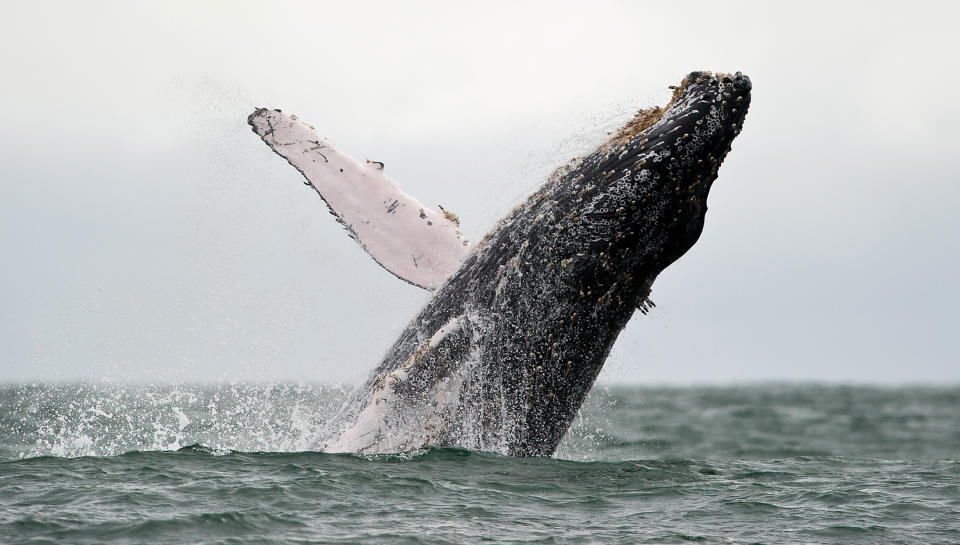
{"type": "Point", "coordinates": [503, 354]}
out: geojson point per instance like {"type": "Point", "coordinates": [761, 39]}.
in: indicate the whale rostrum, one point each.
{"type": "Point", "coordinates": [503, 354]}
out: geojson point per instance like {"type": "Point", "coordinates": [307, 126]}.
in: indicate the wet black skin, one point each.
{"type": "Point", "coordinates": [546, 294]}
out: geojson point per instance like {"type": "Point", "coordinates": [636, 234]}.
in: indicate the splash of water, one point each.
{"type": "Point", "coordinates": [109, 419]}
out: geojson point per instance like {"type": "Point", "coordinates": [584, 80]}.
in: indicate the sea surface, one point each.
{"type": "Point", "coordinates": [107, 463]}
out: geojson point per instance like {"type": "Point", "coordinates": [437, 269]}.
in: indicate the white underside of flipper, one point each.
{"type": "Point", "coordinates": [415, 243]}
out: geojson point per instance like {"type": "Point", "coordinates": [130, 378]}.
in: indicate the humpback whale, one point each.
{"type": "Point", "coordinates": [519, 325]}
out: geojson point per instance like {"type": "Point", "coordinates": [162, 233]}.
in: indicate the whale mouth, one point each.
{"type": "Point", "coordinates": [694, 82]}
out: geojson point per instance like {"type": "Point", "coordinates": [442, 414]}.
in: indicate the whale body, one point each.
{"type": "Point", "coordinates": [502, 356]}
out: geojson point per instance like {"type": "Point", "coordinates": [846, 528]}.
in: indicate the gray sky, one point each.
{"type": "Point", "coordinates": [147, 234]}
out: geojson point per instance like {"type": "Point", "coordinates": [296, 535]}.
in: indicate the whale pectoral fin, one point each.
{"type": "Point", "coordinates": [416, 244]}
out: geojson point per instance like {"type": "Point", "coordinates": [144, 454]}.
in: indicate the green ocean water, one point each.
{"type": "Point", "coordinates": [82, 463]}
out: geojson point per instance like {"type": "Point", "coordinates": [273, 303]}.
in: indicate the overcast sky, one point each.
{"type": "Point", "coordinates": [147, 234]}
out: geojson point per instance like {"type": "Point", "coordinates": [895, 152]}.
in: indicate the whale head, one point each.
{"type": "Point", "coordinates": [658, 170]}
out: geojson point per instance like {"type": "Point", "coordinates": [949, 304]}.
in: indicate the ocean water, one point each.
{"type": "Point", "coordinates": [96, 463]}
